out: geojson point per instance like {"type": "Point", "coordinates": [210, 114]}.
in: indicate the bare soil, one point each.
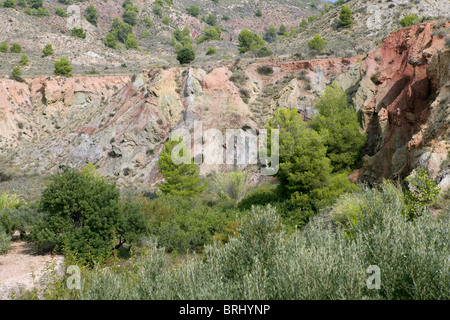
{"type": "Point", "coordinates": [22, 267]}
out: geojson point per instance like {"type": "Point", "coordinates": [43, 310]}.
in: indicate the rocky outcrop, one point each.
{"type": "Point", "coordinates": [401, 91]}
{"type": "Point", "coordinates": [120, 123]}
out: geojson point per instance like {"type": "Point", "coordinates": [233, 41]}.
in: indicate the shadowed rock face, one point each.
{"type": "Point", "coordinates": [405, 107]}
{"type": "Point", "coordinates": [120, 123]}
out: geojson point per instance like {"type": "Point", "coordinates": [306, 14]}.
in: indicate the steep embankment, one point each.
{"type": "Point", "coordinates": [402, 92]}
{"type": "Point", "coordinates": [120, 123]}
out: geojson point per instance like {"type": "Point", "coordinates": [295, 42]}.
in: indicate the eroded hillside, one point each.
{"type": "Point", "coordinates": [119, 123]}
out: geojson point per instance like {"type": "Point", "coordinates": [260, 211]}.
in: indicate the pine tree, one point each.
{"type": "Point", "coordinates": [339, 124]}
{"type": "Point", "coordinates": [48, 50]}
{"type": "Point", "coordinates": [180, 179]}
{"type": "Point", "coordinates": [63, 67]}
{"type": "Point", "coordinates": [91, 14]}
{"type": "Point", "coordinates": [345, 17]}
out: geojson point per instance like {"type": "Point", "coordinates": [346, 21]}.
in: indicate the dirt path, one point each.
{"type": "Point", "coordinates": [20, 264]}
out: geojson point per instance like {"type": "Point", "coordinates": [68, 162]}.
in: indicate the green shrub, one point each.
{"type": "Point", "coordinates": [265, 70]}
{"type": "Point", "coordinates": [249, 41]}
{"type": "Point", "coordinates": [22, 219]}
{"type": "Point", "coordinates": [15, 48]}
{"type": "Point", "coordinates": [193, 11]}
{"type": "Point", "coordinates": [79, 32]}
{"type": "Point", "coordinates": [282, 30]}
{"type": "Point", "coordinates": [131, 42]}
{"type": "Point", "coordinates": [166, 20]}
{"type": "Point", "coordinates": [258, 12]}
{"type": "Point", "coordinates": [264, 52]}
{"type": "Point", "coordinates": [180, 224]}
{"type": "Point", "coordinates": [338, 121]}
{"type": "Point", "coordinates": [84, 216]}
{"type": "Point", "coordinates": [421, 191]}
{"type": "Point", "coordinates": [210, 51]}
{"type": "Point", "coordinates": [317, 43]}
{"type": "Point", "coordinates": [36, 4]}
{"type": "Point", "coordinates": [63, 67]}
{"type": "Point", "coordinates": [229, 187]}
{"type": "Point", "coordinates": [212, 33]}
{"type": "Point", "coordinates": [374, 78]}
{"type": "Point", "coordinates": [61, 12]}
{"type": "Point", "coordinates": [24, 60]}
{"type": "Point", "coordinates": [5, 241]}
{"type": "Point", "coordinates": [121, 30]}
{"type": "Point", "coordinates": [148, 22]}
{"type": "Point", "coordinates": [345, 17]}
{"type": "Point", "coordinates": [91, 14]}
{"type": "Point", "coordinates": [4, 47]}
{"type": "Point", "coordinates": [48, 50]}
{"type": "Point", "coordinates": [110, 40]}
{"type": "Point", "coordinates": [9, 4]}
{"type": "Point", "coordinates": [211, 19]}
{"type": "Point", "coordinates": [16, 74]}
{"type": "Point", "coordinates": [181, 175]}
{"type": "Point", "coordinates": [130, 14]}
{"type": "Point", "coordinates": [409, 20]}
{"type": "Point", "coordinates": [185, 55]}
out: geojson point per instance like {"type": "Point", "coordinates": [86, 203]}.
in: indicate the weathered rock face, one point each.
{"type": "Point", "coordinates": [394, 88]}
{"type": "Point", "coordinates": [120, 123]}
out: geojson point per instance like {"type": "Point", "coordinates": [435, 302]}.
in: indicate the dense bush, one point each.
{"type": "Point", "coordinates": [317, 43]}
{"type": "Point", "coordinates": [421, 191]}
{"type": "Point", "coordinates": [211, 50]}
{"type": "Point", "coordinates": [130, 14]}
{"type": "Point", "coordinates": [212, 33]}
{"type": "Point", "coordinates": [229, 187]}
{"type": "Point", "coordinates": [9, 4]}
{"type": "Point", "coordinates": [61, 12]}
{"type": "Point", "coordinates": [79, 32]}
{"type": "Point", "coordinates": [338, 121]}
{"type": "Point", "coordinates": [48, 50]}
{"type": "Point", "coordinates": [181, 224]}
{"type": "Point", "coordinates": [320, 263]}
{"type": "Point", "coordinates": [193, 11]}
{"type": "Point", "coordinates": [91, 14]}
{"type": "Point", "coordinates": [345, 17]}
{"type": "Point", "coordinates": [15, 48]}
{"type": "Point", "coordinates": [5, 241]}
{"type": "Point", "coordinates": [185, 55]}
{"type": "Point", "coordinates": [84, 216]}
{"type": "Point", "coordinates": [263, 52]}
{"type": "Point", "coordinates": [181, 175]}
{"type": "Point", "coordinates": [4, 47]}
{"type": "Point", "coordinates": [63, 67]}
{"type": "Point", "coordinates": [265, 70]}
{"type": "Point", "coordinates": [249, 41]}
{"type": "Point", "coordinates": [409, 20]}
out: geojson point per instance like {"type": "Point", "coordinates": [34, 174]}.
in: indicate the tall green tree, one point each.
{"type": "Point", "coordinates": [249, 41]}
{"type": "Point", "coordinates": [91, 14]}
{"type": "Point", "coordinates": [338, 123]}
{"type": "Point", "coordinates": [304, 166]}
{"type": "Point", "coordinates": [180, 179]}
{"type": "Point", "coordinates": [345, 17]}
{"type": "Point", "coordinates": [63, 67]}
{"type": "Point", "coordinates": [193, 11]}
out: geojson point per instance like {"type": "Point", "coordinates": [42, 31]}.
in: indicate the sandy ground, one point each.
{"type": "Point", "coordinates": [20, 264]}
